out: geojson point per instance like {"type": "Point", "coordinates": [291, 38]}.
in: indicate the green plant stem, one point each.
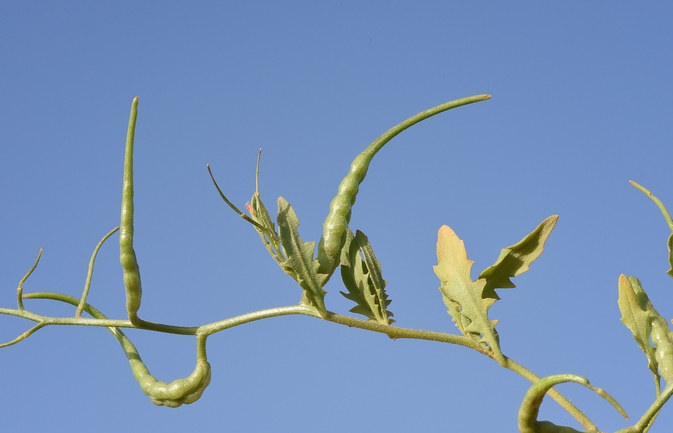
{"type": "Point", "coordinates": [23, 336]}
{"type": "Point", "coordinates": [89, 275]}
{"type": "Point", "coordinates": [230, 204]}
{"type": "Point", "coordinates": [202, 332]}
{"type": "Point", "coordinates": [656, 201]}
{"type": "Point", "coordinates": [19, 289]}
{"type": "Point", "coordinates": [557, 396]}
{"type": "Point", "coordinates": [652, 411]}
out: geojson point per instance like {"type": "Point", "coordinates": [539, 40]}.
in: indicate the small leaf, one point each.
{"type": "Point", "coordinates": [362, 278]}
{"type": "Point", "coordinates": [516, 260]}
{"type": "Point", "coordinates": [266, 228]}
{"type": "Point", "coordinates": [638, 313]}
{"type": "Point", "coordinates": [464, 297]}
{"type": "Point", "coordinates": [300, 263]}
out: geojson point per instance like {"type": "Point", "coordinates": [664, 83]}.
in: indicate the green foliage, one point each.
{"type": "Point", "coordinates": [515, 260]}
{"type": "Point", "coordinates": [300, 263]}
{"type": "Point", "coordinates": [361, 274]}
{"type": "Point", "coordinates": [468, 301]}
{"type": "Point", "coordinates": [638, 314]}
{"type": "Point", "coordinates": [462, 296]}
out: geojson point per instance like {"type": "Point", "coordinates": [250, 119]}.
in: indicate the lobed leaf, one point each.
{"type": "Point", "coordinates": [638, 313]}
{"type": "Point", "coordinates": [463, 297]}
{"type": "Point", "coordinates": [300, 263]}
{"type": "Point", "coordinates": [362, 277]}
{"type": "Point", "coordinates": [516, 259]}
{"type": "Point", "coordinates": [266, 228]}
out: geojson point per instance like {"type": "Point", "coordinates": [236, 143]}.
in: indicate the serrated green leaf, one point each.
{"type": "Point", "coordinates": [363, 279]}
{"type": "Point", "coordinates": [464, 297]}
{"type": "Point", "coordinates": [300, 263]}
{"type": "Point", "coordinates": [516, 259]}
{"type": "Point", "coordinates": [266, 229]}
{"type": "Point", "coordinates": [637, 314]}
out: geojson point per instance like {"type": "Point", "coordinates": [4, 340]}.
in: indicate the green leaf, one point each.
{"type": "Point", "coordinates": [300, 263]}
{"type": "Point", "coordinates": [637, 315]}
{"type": "Point", "coordinates": [361, 274]}
{"type": "Point", "coordinates": [516, 260]}
{"type": "Point", "coordinates": [266, 228]}
{"type": "Point", "coordinates": [464, 297]}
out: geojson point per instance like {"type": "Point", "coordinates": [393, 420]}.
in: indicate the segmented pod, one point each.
{"type": "Point", "coordinates": [334, 227]}
{"type": "Point", "coordinates": [661, 337]}
{"type": "Point", "coordinates": [181, 391]}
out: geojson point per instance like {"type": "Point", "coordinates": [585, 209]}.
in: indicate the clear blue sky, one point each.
{"type": "Point", "coordinates": [582, 102]}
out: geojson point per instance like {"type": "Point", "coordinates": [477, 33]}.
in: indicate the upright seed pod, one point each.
{"type": "Point", "coordinates": [127, 255]}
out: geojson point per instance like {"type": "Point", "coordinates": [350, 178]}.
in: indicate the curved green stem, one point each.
{"type": "Point", "coordinates": [23, 336]}
{"type": "Point", "coordinates": [338, 218]}
{"type": "Point", "coordinates": [656, 201]}
{"type": "Point", "coordinates": [653, 410]}
{"type": "Point", "coordinates": [89, 275]}
{"type": "Point", "coordinates": [19, 289]}
{"type": "Point", "coordinates": [204, 331]}
{"type": "Point", "coordinates": [554, 394]}
{"type": "Point", "coordinates": [229, 203]}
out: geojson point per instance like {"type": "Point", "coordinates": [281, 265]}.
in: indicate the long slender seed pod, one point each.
{"type": "Point", "coordinates": [334, 227]}
{"type": "Point", "coordinates": [127, 255]}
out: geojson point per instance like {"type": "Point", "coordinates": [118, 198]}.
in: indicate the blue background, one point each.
{"type": "Point", "coordinates": [582, 102]}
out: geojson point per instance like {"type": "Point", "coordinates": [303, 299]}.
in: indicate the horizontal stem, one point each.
{"type": "Point", "coordinates": [203, 331]}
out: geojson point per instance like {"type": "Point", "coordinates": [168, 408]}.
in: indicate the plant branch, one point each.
{"type": "Point", "coordinates": [89, 275]}
{"type": "Point", "coordinates": [202, 332]}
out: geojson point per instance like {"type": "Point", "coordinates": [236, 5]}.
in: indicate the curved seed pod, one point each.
{"type": "Point", "coordinates": [127, 255]}
{"type": "Point", "coordinates": [181, 391]}
{"type": "Point", "coordinates": [530, 406]}
{"type": "Point", "coordinates": [334, 227]}
{"type": "Point", "coordinates": [661, 337]}
{"type": "Point", "coordinates": [176, 393]}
